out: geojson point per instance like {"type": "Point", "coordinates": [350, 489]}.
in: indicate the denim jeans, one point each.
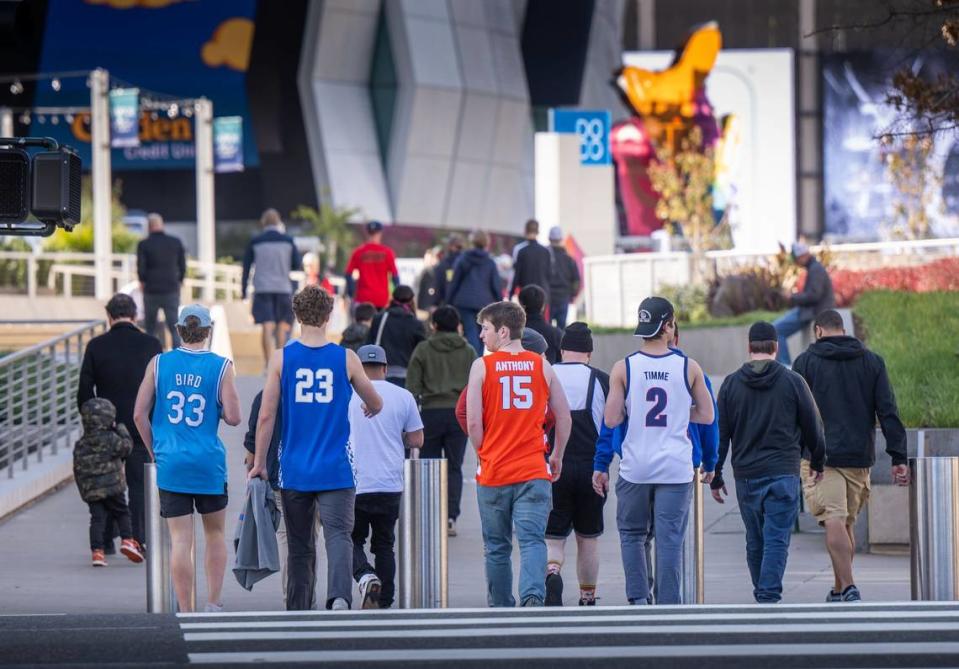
{"type": "Point", "coordinates": [639, 508]}
{"type": "Point", "coordinates": [471, 328]}
{"type": "Point", "coordinates": [769, 507]}
{"type": "Point", "coordinates": [558, 312]}
{"type": "Point", "coordinates": [526, 506]}
{"type": "Point", "coordinates": [787, 325]}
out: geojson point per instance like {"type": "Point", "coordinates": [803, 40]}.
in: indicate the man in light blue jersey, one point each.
{"type": "Point", "coordinates": [315, 379]}
{"type": "Point", "coordinates": [193, 388]}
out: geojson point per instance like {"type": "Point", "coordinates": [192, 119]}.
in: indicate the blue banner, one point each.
{"type": "Point", "coordinates": [592, 126]}
{"type": "Point", "coordinates": [124, 117]}
{"type": "Point", "coordinates": [228, 144]}
{"type": "Point", "coordinates": [171, 50]}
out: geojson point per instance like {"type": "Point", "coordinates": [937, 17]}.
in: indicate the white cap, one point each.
{"type": "Point", "coordinates": [555, 234]}
{"type": "Point", "coordinates": [799, 249]}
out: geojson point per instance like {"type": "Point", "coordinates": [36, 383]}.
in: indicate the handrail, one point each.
{"type": "Point", "coordinates": [10, 358]}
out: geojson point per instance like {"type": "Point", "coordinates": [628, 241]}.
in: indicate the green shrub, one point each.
{"type": "Point", "coordinates": [918, 336]}
{"type": "Point", "coordinates": [689, 301]}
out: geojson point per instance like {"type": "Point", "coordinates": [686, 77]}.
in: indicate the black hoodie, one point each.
{"type": "Point", "coordinates": [852, 389]}
{"type": "Point", "coordinates": [768, 416]}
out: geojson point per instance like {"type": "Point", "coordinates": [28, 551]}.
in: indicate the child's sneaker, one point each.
{"type": "Point", "coordinates": [131, 549]}
{"type": "Point", "coordinates": [99, 559]}
{"type": "Point", "coordinates": [213, 608]}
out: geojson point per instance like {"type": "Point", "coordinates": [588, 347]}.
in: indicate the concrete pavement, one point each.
{"type": "Point", "coordinates": [45, 555]}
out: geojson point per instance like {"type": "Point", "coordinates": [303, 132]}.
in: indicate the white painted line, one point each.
{"type": "Point", "coordinates": [576, 653]}
{"type": "Point", "coordinates": [837, 614]}
{"type": "Point", "coordinates": [635, 629]}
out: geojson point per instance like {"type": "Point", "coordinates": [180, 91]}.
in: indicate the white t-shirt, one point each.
{"type": "Point", "coordinates": [378, 449]}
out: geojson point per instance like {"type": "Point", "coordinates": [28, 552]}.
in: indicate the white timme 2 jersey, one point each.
{"type": "Point", "coordinates": [657, 448]}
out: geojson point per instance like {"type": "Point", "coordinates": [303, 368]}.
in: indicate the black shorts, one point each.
{"type": "Point", "coordinates": [175, 504]}
{"type": "Point", "coordinates": [576, 506]}
{"type": "Point", "coordinates": [272, 308]}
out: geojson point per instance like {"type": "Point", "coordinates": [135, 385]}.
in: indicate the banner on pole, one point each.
{"type": "Point", "coordinates": [124, 117]}
{"type": "Point", "coordinates": [228, 144]}
{"type": "Point", "coordinates": [592, 126]}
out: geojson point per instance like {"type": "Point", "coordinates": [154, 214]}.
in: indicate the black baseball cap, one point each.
{"type": "Point", "coordinates": [654, 312]}
{"type": "Point", "coordinates": [373, 227]}
{"type": "Point", "coordinates": [763, 331]}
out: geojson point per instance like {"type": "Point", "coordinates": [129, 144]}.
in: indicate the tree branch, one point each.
{"type": "Point", "coordinates": [892, 15]}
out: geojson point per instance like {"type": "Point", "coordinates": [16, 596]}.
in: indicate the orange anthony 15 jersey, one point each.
{"type": "Point", "coordinates": [515, 397]}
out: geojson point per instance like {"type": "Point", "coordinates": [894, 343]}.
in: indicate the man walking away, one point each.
{"type": "Point", "coordinates": [532, 262]}
{"type": "Point", "coordinates": [398, 331]}
{"type": "Point", "coordinates": [576, 506]}
{"type": "Point", "coordinates": [659, 393]}
{"type": "Point", "coordinates": [380, 444]}
{"type": "Point", "coordinates": [509, 391]}
{"type": "Point", "coordinates": [443, 272]}
{"type": "Point", "coordinates": [564, 281]}
{"type": "Point", "coordinates": [439, 371]}
{"type": "Point", "coordinates": [852, 390]}
{"type": "Point", "coordinates": [767, 418]}
{"type": "Point", "coordinates": [533, 301]}
{"type": "Point", "coordinates": [274, 255]}
{"type": "Point", "coordinates": [161, 267]}
{"type": "Point", "coordinates": [815, 297]}
{"type": "Point", "coordinates": [316, 380]}
{"type": "Point", "coordinates": [113, 367]}
{"type": "Point", "coordinates": [371, 268]}
{"type": "Point", "coordinates": [356, 332]}
{"type": "Point", "coordinates": [475, 284]}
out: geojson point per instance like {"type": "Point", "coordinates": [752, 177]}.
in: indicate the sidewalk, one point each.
{"type": "Point", "coordinates": [45, 555]}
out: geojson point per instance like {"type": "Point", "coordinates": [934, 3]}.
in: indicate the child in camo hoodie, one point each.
{"type": "Point", "coordinates": [99, 473]}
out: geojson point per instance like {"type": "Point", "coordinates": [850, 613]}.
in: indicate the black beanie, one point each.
{"type": "Point", "coordinates": [578, 338]}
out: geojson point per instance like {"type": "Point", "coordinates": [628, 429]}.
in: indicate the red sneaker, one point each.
{"type": "Point", "coordinates": [99, 559]}
{"type": "Point", "coordinates": [131, 549]}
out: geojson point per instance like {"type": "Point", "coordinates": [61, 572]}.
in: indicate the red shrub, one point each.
{"type": "Point", "coordinates": [941, 275]}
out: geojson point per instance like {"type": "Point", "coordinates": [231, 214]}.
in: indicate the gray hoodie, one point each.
{"type": "Point", "coordinates": [257, 553]}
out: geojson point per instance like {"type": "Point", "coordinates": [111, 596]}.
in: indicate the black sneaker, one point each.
{"type": "Point", "coordinates": [554, 590]}
{"type": "Point", "coordinates": [587, 602]}
{"type": "Point", "coordinates": [833, 596]}
{"type": "Point", "coordinates": [851, 594]}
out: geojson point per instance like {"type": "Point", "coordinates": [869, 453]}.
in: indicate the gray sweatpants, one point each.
{"type": "Point", "coordinates": [285, 550]}
{"type": "Point", "coordinates": [665, 506]}
{"type": "Point", "coordinates": [335, 511]}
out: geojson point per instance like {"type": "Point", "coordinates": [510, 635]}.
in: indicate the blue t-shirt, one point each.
{"type": "Point", "coordinates": [190, 457]}
{"type": "Point", "coordinates": [315, 450]}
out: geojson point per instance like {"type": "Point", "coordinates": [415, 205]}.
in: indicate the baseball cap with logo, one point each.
{"type": "Point", "coordinates": [201, 313]}
{"type": "Point", "coordinates": [654, 312]}
{"type": "Point", "coordinates": [373, 227]}
{"type": "Point", "coordinates": [371, 354]}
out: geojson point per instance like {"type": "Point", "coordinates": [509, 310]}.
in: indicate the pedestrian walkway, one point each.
{"type": "Point", "coordinates": [46, 558]}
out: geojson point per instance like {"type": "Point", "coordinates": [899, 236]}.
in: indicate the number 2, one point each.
{"type": "Point", "coordinates": [308, 379]}
{"type": "Point", "coordinates": [516, 392]}
{"type": "Point", "coordinates": [657, 414]}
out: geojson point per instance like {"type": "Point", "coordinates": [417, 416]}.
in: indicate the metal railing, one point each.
{"type": "Point", "coordinates": [616, 284]}
{"type": "Point", "coordinates": [38, 395]}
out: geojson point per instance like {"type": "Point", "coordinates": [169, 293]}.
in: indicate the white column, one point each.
{"type": "Point", "coordinates": [102, 190]}
{"type": "Point", "coordinates": [6, 122]}
{"type": "Point", "coordinates": [205, 215]}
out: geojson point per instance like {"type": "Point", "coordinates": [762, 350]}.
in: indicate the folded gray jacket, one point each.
{"type": "Point", "coordinates": [257, 553]}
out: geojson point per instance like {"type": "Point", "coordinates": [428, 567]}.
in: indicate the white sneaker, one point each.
{"type": "Point", "coordinates": [340, 604]}
{"type": "Point", "coordinates": [370, 587]}
{"type": "Point", "coordinates": [213, 608]}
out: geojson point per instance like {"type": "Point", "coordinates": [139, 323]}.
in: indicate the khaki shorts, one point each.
{"type": "Point", "coordinates": [842, 492]}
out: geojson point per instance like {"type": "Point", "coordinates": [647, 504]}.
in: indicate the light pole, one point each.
{"type": "Point", "coordinates": [205, 214]}
{"type": "Point", "coordinates": [102, 197]}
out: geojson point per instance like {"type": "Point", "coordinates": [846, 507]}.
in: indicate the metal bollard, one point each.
{"type": "Point", "coordinates": [694, 578]}
{"type": "Point", "coordinates": [934, 528]}
{"type": "Point", "coordinates": [161, 596]}
{"type": "Point", "coordinates": [423, 575]}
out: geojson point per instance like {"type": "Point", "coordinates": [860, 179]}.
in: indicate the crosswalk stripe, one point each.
{"type": "Point", "coordinates": [634, 629]}
{"type": "Point", "coordinates": [578, 652]}
{"type": "Point", "coordinates": [321, 619]}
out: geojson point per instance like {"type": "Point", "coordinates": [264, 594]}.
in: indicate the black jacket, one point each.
{"type": "Point", "coordinates": [564, 280]}
{"type": "Point", "coordinates": [161, 263]}
{"type": "Point", "coordinates": [817, 294]}
{"type": "Point", "coordinates": [113, 367]}
{"type": "Point", "coordinates": [533, 266]}
{"type": "Point", "coordinates": [552, 335]}
{"type": "Point", "coordinates": [852, 389]}
{"type": "Point", "coordinates": [443, 275]}
{"type": "Point", "coordinates": [768, 416]}
{"type": "Point", "coordinates": [402, 332]}
{"type": "Point", "coordinates": [273, 454]}
{"type": "Point", "coordinates": [475, 281]}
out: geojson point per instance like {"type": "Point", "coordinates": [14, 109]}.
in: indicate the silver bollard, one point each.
{"type": "Point", "coordinates": [694, 578]}
{"type": "Point", "coordinates": [423, 575]}
{"type": "Point", "coordinates": [161, 595]}
{"type": "Point", "coordinates": [934, 528]}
